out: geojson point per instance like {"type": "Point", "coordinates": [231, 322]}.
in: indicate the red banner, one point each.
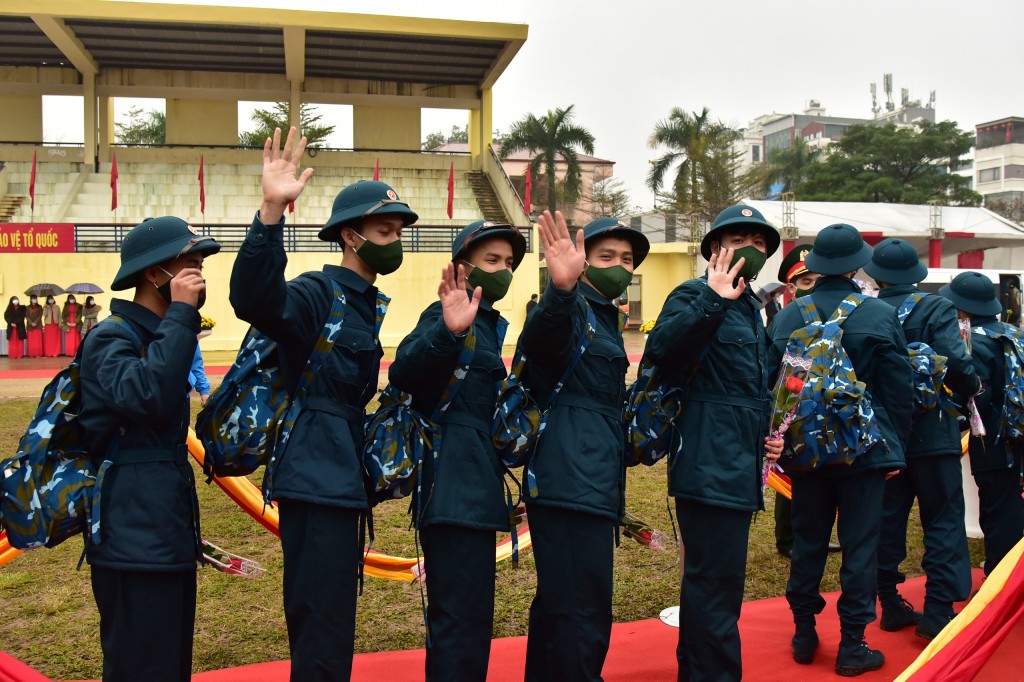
{"type": "Point", "coordinates": [37, 238]}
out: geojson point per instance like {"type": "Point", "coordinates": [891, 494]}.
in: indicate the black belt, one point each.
{"type": "Point", "coordinates": [349, 413]}
{"type": "Point", "coordinates": [146, 455]}
{"type": "Point", "coordinates": [591, 403]}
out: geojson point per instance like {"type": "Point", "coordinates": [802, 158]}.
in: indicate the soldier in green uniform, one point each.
{"type": "Point", "coordinates": [576, 474]}
{"type": "Point", "coordinates": [995, 461]}
{"type": "Point", "coordinates": [134, 379]}
{"type": "Point", "coordinates": [463, 493]}
{"type": "Point", "coordinates": [319, 481]}
{"type": "Point", "coordinates": [710, 329]}
{"type": "Point", "coordinates": [933, 473]}
{"type": "Point", "coordinates": [873, 340]}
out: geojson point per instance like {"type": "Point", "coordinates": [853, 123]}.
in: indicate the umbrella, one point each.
{"type": "Point", "coordinates": [761, 293]}
{"type": "Point", "coordinates": [83, 288]}
{"type": "Point", "coordinates": [44, 290]}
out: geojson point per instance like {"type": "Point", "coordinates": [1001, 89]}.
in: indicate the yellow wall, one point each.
{"type": "Point", "coordinates": [384, 128]}
{"type": "Point", "coordinates": [665, 268]}
{"type": "Point", "coordinates": [411, 289]}
{"type": "Point", "coordinates": [22, 119]}
{"type": "Point", "coordinates": [191, 121]}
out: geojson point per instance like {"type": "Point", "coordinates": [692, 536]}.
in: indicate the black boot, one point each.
{"type": "Point", "coordinates": [855, 658]}
{"type": "Point", "coordinates": [931, 625]}
{"type": "Point", "coordinates": [805, 642]}
{"type": "Point", "coordinates": [897, 613]}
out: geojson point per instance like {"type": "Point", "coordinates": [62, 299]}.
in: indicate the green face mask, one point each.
{"type": "Point", "coordinates": [802, 292]}
{"type": "Point", "coordinates": [494, 285]}
{"type": "Point", "coordinates": [755, 259]}
{"type": "Point", "coordinates": [381, 259]}
{"type": "Point", "coordinates": [611, 282]}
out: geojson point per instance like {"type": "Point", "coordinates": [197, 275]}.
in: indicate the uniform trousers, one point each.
{"type": "Point", "coordinates": [147, 619]}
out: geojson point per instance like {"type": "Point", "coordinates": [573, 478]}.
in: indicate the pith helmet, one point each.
{"type": "Point", "coordinates": [613, 227]}
{"type": "Point", "coordinates": [363, 198]}
{"type": "Point", "coordinates": [973, 293]}
{"type": "Point", "coordinates": [838, 249]}
{"type": "Point", "coordinates": [485, 229]}
{"type": "Point", "coordinates": [895, 261]}
{"type": "Point", "coordinates": [736, 216]}
{"type": "Point", "coordinates": [155, 241]}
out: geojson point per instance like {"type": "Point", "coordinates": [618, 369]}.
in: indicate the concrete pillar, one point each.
{"type": "Point", "coordinates": [91, 126]}
{"type": "Point", "coordinates": [295, 108]}
{"type": "Point", "coordinates": [22, 120]}
{"type": "Point", "coordinates": [106, 125]}
{"type": "Point", "coordinates": [475, 142]}
{"type": "Point", "coordinates": [935, 253]}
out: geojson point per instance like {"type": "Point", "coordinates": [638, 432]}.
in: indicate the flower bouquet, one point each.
{"type": "Point", "coordinates": [647, 326]}
{"type": "Point", "coordinates": [206, 323]}
{"type": "Point", "coordinates": [786, 400]}
{"type": "Point", "coordinates": [229, 563]}
{"type": "Point", "coordinates": [646, 535]}
{"type": "Point", "coordinates": [973, 416]}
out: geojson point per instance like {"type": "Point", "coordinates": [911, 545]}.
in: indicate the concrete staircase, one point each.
{"type": "Point", "coordinates": [9, 204]}
{"type": "Point", "coordinates": [490, 206]}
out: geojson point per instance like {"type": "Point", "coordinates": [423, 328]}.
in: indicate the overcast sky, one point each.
{"type": "Point", "coordinates": [626, 64]}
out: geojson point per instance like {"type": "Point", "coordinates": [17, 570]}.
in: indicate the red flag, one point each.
{"type": "Point", "coordinates": [529, 190]}
{"type": "Point", "coordinates": [32, 184]}
{"type": "Point", "coordinates": [291, 207]}
{"type": "Point", "coordinates": [202, 186]}
{"type": "Point", "coordinates": [451, 189]}
{"type": "Point", "coordinates": [113, 183]}
{"type": "Point", "coordinates": [376, 170]}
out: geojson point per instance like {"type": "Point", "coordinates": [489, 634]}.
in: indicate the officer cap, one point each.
{"type": "Point", "coordinates": [793, 264]}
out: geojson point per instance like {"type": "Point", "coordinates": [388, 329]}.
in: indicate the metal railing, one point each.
{"type": "Point", "coordinates": [106, 237]}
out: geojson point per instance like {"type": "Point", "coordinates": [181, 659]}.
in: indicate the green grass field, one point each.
{"type": "Point", "coordinates": [50, 619]}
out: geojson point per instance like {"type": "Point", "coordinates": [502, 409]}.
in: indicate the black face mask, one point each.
{"type": "Point", "coordinates": [165, 291]}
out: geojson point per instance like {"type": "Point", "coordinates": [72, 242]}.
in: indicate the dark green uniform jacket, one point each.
{"type": "Point", "coordinates": [873, 338]}
{"type": "Point", "coordinates": [987, 355]}
{"type": "Point", "coordinates": [149, 516]}
{"type": "Point", "coordinates": [465, 487]}
{"type": "Point", "coordinates": [726, 415]}
{"type": "Point", "coordinates": [933, 321]}
{"type": "Point", "coordinates": [322, 462]}
{"type": "Point", "coordinates": [578, 460]}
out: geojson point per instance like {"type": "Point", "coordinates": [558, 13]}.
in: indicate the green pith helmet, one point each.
{"type": "Point", "coordinates": [973, 293]}
{"type": "Point", "coordinates": [363, 198]}
{"type": "Point", "coordinates": [895, 261]}
{"type": "Point", "coordinates": [155, 241]}
{"type": "Point", "coordinates": [793, 264]}
{"type": "Point", "coordinates": [838, 250]}
{"type": "Point", "coordinates": [740, 216]}
{"type": "Point", "coordinates": [613, 227]}
{"type": "Point", "coordinates": [485, 229]}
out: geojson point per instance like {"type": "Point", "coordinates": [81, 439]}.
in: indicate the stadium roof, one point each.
{"type": "Point", "coordinates": [911, 222]}
{"type": "Point", "coordinates": [101, 35]}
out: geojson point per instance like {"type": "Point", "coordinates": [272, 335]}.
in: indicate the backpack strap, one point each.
{"type": "Point", "coordinates": [324, 344]}
{"type": "Point", "coordinates": [462, 364]}
{"type": "Point", "coordinates": [846, 306]}
{"type": "Point", "coordinates": [808, 311]}
{"type": "Point", "coordinates": [908, 304]}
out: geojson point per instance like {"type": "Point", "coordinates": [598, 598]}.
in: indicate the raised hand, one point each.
{"type": "Point", "coordinates": [187, 286]}
{"type": "Point", "coordinates": [458, 308]}
{"type": "Point", "coordinates": [566, 259]}
{"type": "Point", "coordinates": [722, 278]}
{"type": "Point", "coordinates": [280, 186]}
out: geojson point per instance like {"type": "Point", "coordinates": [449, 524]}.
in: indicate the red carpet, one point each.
{"type": "Point", "coordinates": [644, 651]}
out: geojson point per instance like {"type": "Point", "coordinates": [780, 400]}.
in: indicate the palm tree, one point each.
{"type": "Point", "coordinates": [279, 116]}
{"type": "Point", "coordinates": [787, 167]}
{"type": "Point", "coordinates": [547, 138]}
{"type": "Point", "coordinates": [703, 150]}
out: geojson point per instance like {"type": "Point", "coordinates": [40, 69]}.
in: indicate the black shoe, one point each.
{"type": "Point", "coordinates": [834, 547]}
{"type": "Point", "coordinates": [897, 615]}
{"type": "Point", "coordinates": [786, 552]}
{"type": "Point", "coordinates": [855, 658]}
{"type": "Point", "coordinates": [805, 644]}
{"type": "Point", "coordinates": [930, 626]}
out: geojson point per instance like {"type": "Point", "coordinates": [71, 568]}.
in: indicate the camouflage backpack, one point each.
{"type": "Point", "coordinates": [398, 436]}
{"type": "Point", "coordinates": [519, 420]}
{"type": "Point", "coordinates": [48, 485]}
{"type": "Point", "coordinates": [1012, 339]}
{"type": "Point", "coordinates": [929, 366]}
{"type": "Point", "coordinates": [248, 418]}
{"type": "Point", "coordinates": [652, 410]}
{"type": "Point", "coordinates": [834, 422]}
